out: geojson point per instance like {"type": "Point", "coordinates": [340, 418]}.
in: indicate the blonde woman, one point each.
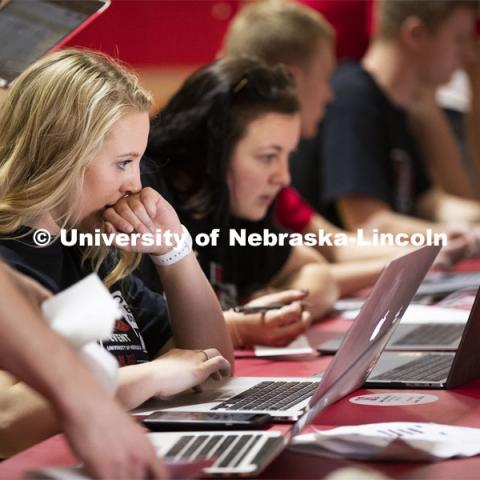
{"type": "Point", "coordinates": [72, 131]}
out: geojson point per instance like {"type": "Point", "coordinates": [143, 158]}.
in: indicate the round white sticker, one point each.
{"type": "Point", "coordinates": [393, 399]}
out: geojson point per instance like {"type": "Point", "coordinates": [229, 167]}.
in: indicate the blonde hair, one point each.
{"type": "Point", "coordinates": [53, 122]}
{"type": "Point", "coordinates": [391, 14]}
{"type": "Point", "coordinates": [278, 31]}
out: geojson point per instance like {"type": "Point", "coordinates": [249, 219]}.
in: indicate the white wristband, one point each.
{"type": "Point", "coordinates": [179, 251]}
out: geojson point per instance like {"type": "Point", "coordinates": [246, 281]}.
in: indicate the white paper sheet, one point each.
{"type": "Point", "coordinates": [83, 313]}
{"type": "Point", "coordinates": [425, 314]}
{"type": "Point", "coordinates": [408, 441]}
{"type": "Point", "coordinates": [300, 346]}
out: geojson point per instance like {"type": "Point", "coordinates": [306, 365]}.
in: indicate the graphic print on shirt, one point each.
{"type": "Point", "coordinates": [126, 343]}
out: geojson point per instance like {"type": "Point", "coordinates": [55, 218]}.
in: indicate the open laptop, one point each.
{"type": "Point", "coordinates": [285, 399]}
{"type": "Point", "coordinates": [247, 453]}
{"type": "Point", "coordinates": [433, 369]}
{"type": "Point", "coordinates": [30, 29]}
{"type": "Point", "coordinates": [440, 284]}
{"type": "Point", "coordinates": [429, 336]}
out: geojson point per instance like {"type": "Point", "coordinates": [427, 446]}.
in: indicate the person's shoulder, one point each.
{"type": "Point", "coordinates": [16, 259]}
{"type": "Point", "coordinates": [9, 255]}
{"type": "Point", "coordinates": [17, 244]}
{"type": "Point", "coordinates": [353, 81]}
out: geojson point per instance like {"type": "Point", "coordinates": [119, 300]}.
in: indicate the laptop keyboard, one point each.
{"type": "Point", "coordinates": [432, 368]}
{"type": "Point", "coordinates": [229, 450]}
{"type": "Point", "coordinates": [432, 335]}
{"type": "Point", "coordinates": [270, 396]}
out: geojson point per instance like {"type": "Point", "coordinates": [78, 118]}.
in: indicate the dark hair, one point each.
{"type": "Point", "coordinates": [194, 135]}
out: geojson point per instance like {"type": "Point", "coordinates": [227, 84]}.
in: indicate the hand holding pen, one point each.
{"type": "Point", "coordinates": [275, 319]}
{"type": "Point", "coordinates": [246, 309]}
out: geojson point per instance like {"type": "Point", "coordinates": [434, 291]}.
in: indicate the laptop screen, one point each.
{"type": "Point", "coordinates": [371, 330]}
{"type": "Point", "coordinates": [29, 29]}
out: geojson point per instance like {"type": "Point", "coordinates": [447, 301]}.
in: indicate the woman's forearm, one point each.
{"type": "Point", "coordinates": [135, 385]}
{"type": "Point", "coordinates": [197, 319]}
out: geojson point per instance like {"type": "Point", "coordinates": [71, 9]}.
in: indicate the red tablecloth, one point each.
{"type": "Point", "coordinates": [457, 407]}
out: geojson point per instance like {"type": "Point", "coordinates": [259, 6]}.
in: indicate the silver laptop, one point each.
{"type": "Point", "coordinates": [29, 29]}
{"type": "Point", "coordinates": [247, 453]}
{"type": "Point", "coordinates": [429, 336]}
{"type": "Point", "coordinates": [286, 399]}
{"type": "Point", "coordinates": [441, 284]}
{"type": "Point", "coordinates": [435, 369]}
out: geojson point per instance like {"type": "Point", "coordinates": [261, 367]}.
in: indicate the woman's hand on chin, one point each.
{"type": "Point", "coordinates": [143, 213]}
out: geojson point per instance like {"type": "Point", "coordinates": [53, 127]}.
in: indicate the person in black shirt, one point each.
{"type": "Point", "coordinates": [372, 130]}
{"type": "Point", "coordinates": [72, 131]}
{"type": "Point", "coordinates": [374, 175]}
{"type": "Point", "coordinates": [221, 146]}
{"type": "Point", "coordinates": [298, 37]}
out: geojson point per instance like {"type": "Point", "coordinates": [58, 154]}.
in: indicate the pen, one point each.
{"type": "Point", "coordinates": [264, 308]}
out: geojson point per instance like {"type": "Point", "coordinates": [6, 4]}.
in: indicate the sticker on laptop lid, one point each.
{"type": "Point", "coordinates": [393, 399]}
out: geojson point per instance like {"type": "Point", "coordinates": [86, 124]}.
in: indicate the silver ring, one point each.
{"type": "Point", "coordinates": [205, 353]}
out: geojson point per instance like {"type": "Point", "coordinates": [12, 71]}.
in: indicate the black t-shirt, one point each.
{"type": "Point", "coordinates": [234, 271]}
{"type": "Point", "coordinates": [144, 328]}
{"type": "Point", "coordinates": [306, 172]}
{"type": "Point", "coordinates": [367, 147]}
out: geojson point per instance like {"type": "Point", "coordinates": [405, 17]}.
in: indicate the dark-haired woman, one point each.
{"type": "Point", "coordinates": [219, 152]}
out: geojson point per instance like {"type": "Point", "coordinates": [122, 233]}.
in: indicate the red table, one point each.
{"type": "Point", "coordinates": [457, 407]}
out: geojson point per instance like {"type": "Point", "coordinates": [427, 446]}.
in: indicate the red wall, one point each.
{"type": "Point", "coordinates": [174, 32]}
{"type": "Point", "coordinates": [186, 32]}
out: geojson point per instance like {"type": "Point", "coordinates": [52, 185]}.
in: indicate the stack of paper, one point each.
{"type": "Point", "coordinates": [395, 441]}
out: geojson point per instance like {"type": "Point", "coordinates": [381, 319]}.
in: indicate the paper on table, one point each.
{"type": "Point", "coordinates": [83, 313]}
{"type": "Point", "coordinates": [407, 441]}
{"type": "Point", "coordinates": [300, 346]}
{"type": "Point", "coordinates": [425, 314]}
{"type": "Point", "coordinates": [348, 304]}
